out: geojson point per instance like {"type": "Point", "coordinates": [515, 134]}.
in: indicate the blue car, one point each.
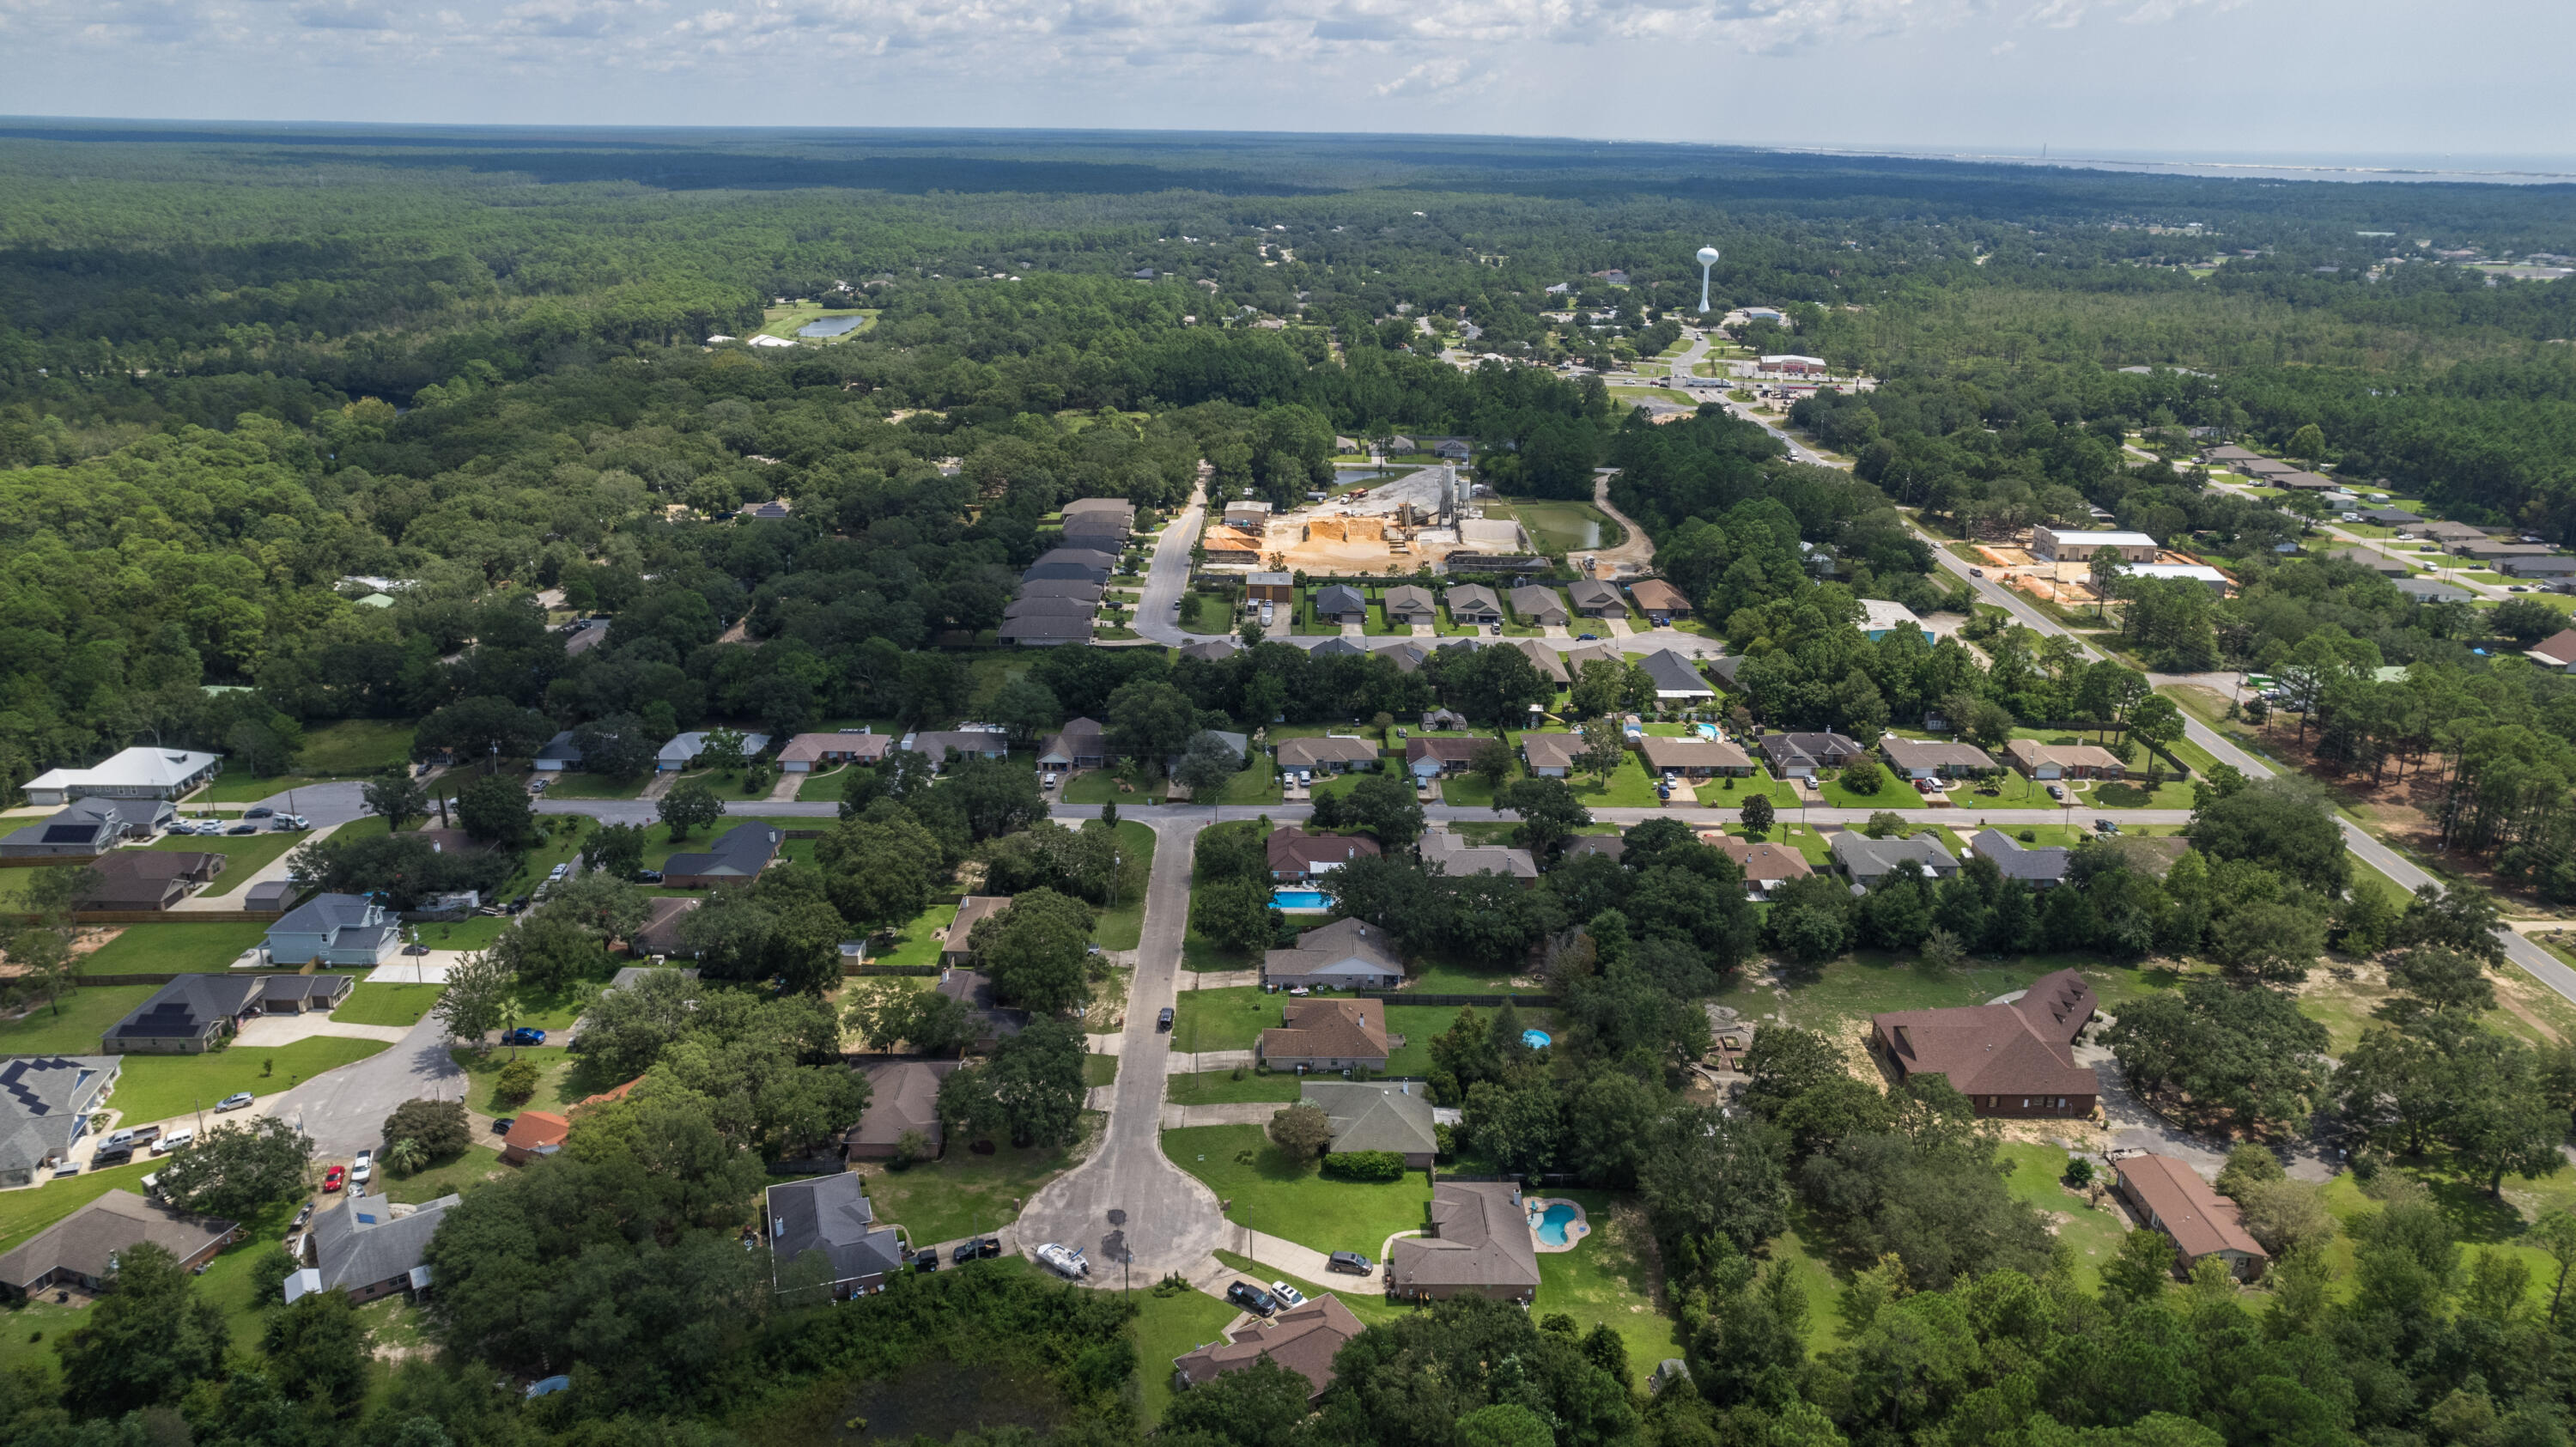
{"type": "Point", "coordinates": [524, 1036]}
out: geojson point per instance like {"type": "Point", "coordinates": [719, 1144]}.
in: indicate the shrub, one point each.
{"type": "Point", "coordinates": [909, 1148]}
{"type": "Point", "coordinates": [516, 1082]}
{"type": "Point", "coordinates": [1373, 1166]}
{"type": "Point", "coordinates": [2079, 1172]}
{"type": "Point", "coordinates": [2029, 835]}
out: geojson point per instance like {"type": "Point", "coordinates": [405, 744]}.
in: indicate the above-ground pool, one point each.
{"type": "Point", "coordinates": [1534, 1039]}
{"type": "Point", "coordinates": [1300, 899]}
{"type": "Point", "coordinates": [1550, 1224]}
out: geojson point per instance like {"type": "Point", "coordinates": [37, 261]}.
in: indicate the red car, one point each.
{"type": "Point", "coordinates": [332, 1178]}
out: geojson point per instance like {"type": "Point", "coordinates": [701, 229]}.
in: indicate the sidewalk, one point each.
{"type": "Point", "coordinates": [1184, 1062]}
{"type": "Point", "coordinates": [1247, 1112]}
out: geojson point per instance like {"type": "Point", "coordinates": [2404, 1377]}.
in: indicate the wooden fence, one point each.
{"type": "Point", "coordinates": [1403, 997]}
{"type": "Point", "coordinates": [162, 916]}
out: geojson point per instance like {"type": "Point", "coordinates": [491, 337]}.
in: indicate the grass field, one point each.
{"type": "Point", "coordinates": [962, 1193]}
{"type": "Point", "coordinates": [2092, 1232]}
{"type": "Point", "coordinates": [72, 1023]}
{"type": "Point", "coordinates": [1605, 1278]}
{"type": "Point", "coordinates": [578, 785]}
{"type": "Point", "coordinates": [1272, 1194]}
{"type": "Point", "coordinates": [158, 1087]}
{"type": "Point", "coordinates": [1228, 1019]}
{"type": "Point", "coordinates": [478, 1163]}
{"type": "Point", "coordinates": [24, 1213]}
{"type": "Point", "coordinates": [1102, 786]}
{"type": "Point", "coordinates": [244, 854]}
{"type": "Point", "coordinates": [1123, 924]}
{"type": "Point", "coordinates": [1219, 1087]}
{"type": "Point", "coordinates": [556, 1087]}
{"type": "Point", "coordinates": [916, 943]}
{"type": "Point", "coordinates": [1167, 1327]}
{"type": "Point", "coordinates": [387, 1004]}
{"type": "Point", "coordinates": [172, 949]}
{"type": "Point", "coordinates": [1844, 994]}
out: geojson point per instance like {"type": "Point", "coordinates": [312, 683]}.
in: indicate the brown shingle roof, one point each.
{"type": "Point", "coordinates": [1482, 1240]}
{"type": "Point", "coordinates": [810, 748]}
{"type": "Point", "coordinates": [1328, 1030]}
{"type": "Point", "coordinates": [1657, 596]}
{"type": "Point", "coordinates": [1764, 861]}
{"type": "Point", "coordinates": [1933, 754]}
{"type": "Point", "coordinates": [973, 910]}
{"type": "Point", "coordinates": [1302, 1339]}
{"type": "Point", "coordinates": [1307, 753]}
{"type": "Point", "coordinates": [2558, 649]}
{"type": "Point", "coordinates": [1452, 749]}
{"type": "Point", "coordinates": [119, 1220]}
{"type": "Point", "coordinates": [2017, 1049]}
{"type": "Point", "coordinates": [2185, 1207]}
{"type": "Point", "coordinates": [1551, 751]}
{"type": "Point", "coordinates": [1295, 850]}
{"type": "Point", "coordinates": [1663, 753]}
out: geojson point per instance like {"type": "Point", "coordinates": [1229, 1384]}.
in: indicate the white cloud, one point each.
{"type": "Point", "coordinates": [1431, 77]}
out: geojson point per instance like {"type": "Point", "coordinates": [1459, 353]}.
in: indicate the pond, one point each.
{"type": "Point", "coordinates": [831, 326]}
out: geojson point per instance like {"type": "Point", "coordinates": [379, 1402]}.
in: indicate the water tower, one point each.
{"type": "Point", "coordinates": [1707, 259]}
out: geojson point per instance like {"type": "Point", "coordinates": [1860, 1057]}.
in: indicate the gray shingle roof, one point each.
{"type": "Point", "coordinates": [363, 1242]}
{"type": "Point", "coordinates": [43, 1099]}
{"type": "Point", "coordinates": [1483, 1240]}
{"type": "Point", "coordinates": [187, 1007]}
{"type": "Point", "coordinates": [741, 852]}
{"type": "Point", "coordinates": [2046, 864]}
{"type": "Point", "coordinates": [830, 1214]}
{"type": "Point", "coordinates": [1371, 1116]}
{"type": "Point", "coordinates": [89, 1240]}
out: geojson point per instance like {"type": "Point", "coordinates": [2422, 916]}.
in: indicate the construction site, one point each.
{"type": "Point", "coordinates": [2068, 582]}
{"type": "Point", "coordinates": [1397, 526]}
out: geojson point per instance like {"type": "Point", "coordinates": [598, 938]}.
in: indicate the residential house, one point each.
{"type": "Point", "coordinates": [1725, 669]}
{"type": "Point", "coordinates": [2446, 531]}
{"type": "Point", "coordinates": [81, 1249]}
{"type": "Point", "coordinates": [1099, 561]}
{"type": "Point", "coordinates": [1328, 1034]}
{"type": "Point", "coordinates": [1543, 658]}
{"type": "Point", "coordinates": [85, 828]}
{"type": "Point", "coordinates": [1594, 598]}
{"type": "Point", "coordinates": [2392, 517]}
{"type": "Point", "coordinates": [1331, 754]}
{"type": "Point", "coordinates": [1583, 655]}
{"type": "Point", "coordinates": [146, 879]}
{"type": "Point", "coordinates": [534, 1134]}
{"type": "Point", "coordinates": [136, 773]}
{"type": "Point", "coordinates": [2423, 589]}
{"type": "Point", "coordinates": [559, 754]}
{"type": "Point", "coordinates": [1117, 508]}
{"type": "Point", "coordinates": [1073, 589]}
{"type": "Point", "coordinates": [1341, 603]}
{"type": "Point", "coordinates": [1372, 1116]}
{"type": "Point", "coordinates": [1473, 603]}
{"type": "Point", "coordinates": [1064, 572]}
{"type": "Point", "coordinates": [2375, 560]}
{"type": "Point", "coordinates": [1935, 758]}
{"type": "Point", "coordinates": [271, 896]}
{"type": "Point", "coordinates": [1677, 679]}
{"type": "Point", "coordinates": [45, 1105]}
{"type": "Point", "coordinates": [1270, 587]}
{"type": "Point", "coordinates": [334, 931]}
{"type": "Point", "coordinates": [1455, 856]}
{"type": "Point", "coordinates": [1800, 755]}
{"type": "Point", "coordinates": [1407, 656]}
{"type": "Point", "coordinates": [1297, 857]}
{"type": "Point", "coordinates": [2064, 761]}
{"type": "Point", "coordinates": [660, 936]}
{"type": "Point", "coordinates": [303, 994]}
{"type": "Point", "coordinates": [736, 856]}
{"type": "Point", "coordinates": [2557, 652]}
{"type": "Point", "coordinates": [956, 943]}
{"type": "Point", "coordinates": [1694, 758]}
{"type": "Point", "coordinates": [1080, 744]}
{"type": "Point", "coordinates": [1348, 954]}
{"type": "Point", "coordinates": [1766, 865]}
{"type": "Point", "coordinates": [1880, 617]}
{"type": "Point", "coordinates": [2171, 1197]}
{"type": "Point", "coordinates": [683, 750]}
{"type": "Point", "coordinates": [1450, 449]}
{"type": "Point", "coordinates": [1551, 755]}
{"type": "Point", "coordinates": [1049, 610]}
{"type": "Point", "coordinates": [2040, 868]}
{"type": "Point", "coordinates": [995, 1020]}
{"type": "Point", "coordinates": [945, 746]}
{"type": "Point", "coordinates": [1660, 601]}
{"type": "Point", "coordinates": [1428, 758]}
{"type": "Point", "coordinates": [806, 753]}
{"type": "Point", "coordinates": [1608, 846]}
{"type": "Point", "coordinates": [903, 1099]}
{"type": "Point", "coordinates": [1869, 860]}
{"type": "Point", "coordinates": [1302, 1339]}
{"type": "Point", "coordinates": [1441, 718]}
{"type": "Point", "coordinates": [2069, 545]}
{"type": "Point", "coordinates": [2009, 1060]}
{"type": "Point", "coordinates": [369, 1247]}
{"type": "Point", "coordinates": [1540, 606]}
{"type": "Point", "coordinates": [2556, 565]}
{"type": "Point", "coordinates": [1409, 604]}
{"type": "Point", "coordinates": [1046, 631]}
{"type": "Point", "coordinates": [1210, 650]}
{"type": "Point", "coordinates": [1480, 1245]}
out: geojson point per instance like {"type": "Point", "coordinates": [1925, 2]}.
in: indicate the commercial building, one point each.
{"type": "Point", "coordinates": [2070, 545]}
{"type": "Point", "coordinates": [137, 773]}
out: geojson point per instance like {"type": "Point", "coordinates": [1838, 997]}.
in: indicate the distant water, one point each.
{"type": "Point", "coordinates": [2493, 170]}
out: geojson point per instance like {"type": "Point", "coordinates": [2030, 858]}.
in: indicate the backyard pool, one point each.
{"type": "Point", "coordinates": [1300, 899]}
{"type": "Point", "coordinates": [1550, 1224]}
{"type": "Point", "coordinates": [1534, 1039]}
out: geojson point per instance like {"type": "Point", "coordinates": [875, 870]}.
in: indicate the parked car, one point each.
{"type": "Point", "coordinates": [333, 1178]}
{"type": "Point", "coordinates": [243, 829]}
{"type": "Point", "coordinates": [293, 821]}
{"type": "Point", "coordinates": [1063, 1260]}
{"type": "Point", "coordinates": [118, 1141]}
{"type": "Point", "coordinates": [539, 786]}
{"type": "Point", "coordinates": [238, 1100]}
{"type": "Point", "coordinates": [1587, 637]}
{"type": "Point", "coordinates": [524, 1035]}
{"type": "Point", "coordinates": [364, 1167]}
{"type": "Point", "coordinates": [501, 1124]}
{"type": "Point", "coordinates": [1348, 1261]}
{"type": "Point", "coordinates": [648, 876]}
{"type": "Point", "coordinates": [1163, 1021]}
{"type": "Point", "coordinates": [1976, 572]}
{"type": "Point", "coordinates": [415, 949]}
{"type": "Point", "coordinates": [926, 1259]}
{"type": "Point", "coordinates": [260, 811]}
{"type": "Point", "coordinates": [516, 905]}
{"type": "Point", "coordinates": [302, 1216]}
{"type": "Point", "coordinates": [1287, 1295]}
{"type": "Point", "coordinates": [980, 1248]}
{"type": "Point", "coordinates": [1251, 1298]}
{"type": "Point", "coordinates": [2106, 826]}
{"type": "Point", "coordinates": [175, 1140]}
{"type": "Point", "coordinates": [2057, 791]}
{"type": "Point", "coordinates": [559, 873]}
{"type": "Point", "coordinates": [108, 1155]}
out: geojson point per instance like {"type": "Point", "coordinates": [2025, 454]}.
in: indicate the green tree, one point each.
{"type": "Point", "coordinates": [879, 873]}
{"type": "Point", "coordinates": [618, 747]}
{"type": "Point", "coordinates": [147, 1342]}
{"type": "Point", "coordinates": [319, 1351]}
{"type": "Point", "coordinates": [1491, 762]}
{"type": "Point", "coordinates": [886, 1013]}
{"type": "Point", "coordinates": [1550, 813]}
{"type": "Point", "coordinates": [397, 796]}
{"type": "Point", "coordinates": [1036, 950]}
{"type": "Point", "coordinates": [1757, 815]}
{"type": "Point", "coordinates": [2142, 1269]}
{"type": "Point", "coordinates": [616, 850]}
{"type": "Point", "coordinates": [495, 810]}
{"type": "Point", "coordinates": [546, 953]}
{"type": "Point", "coordinates": [1301, 1131]}
{"type": "Point", "coordinates": [438, 1127]}
{"type": "Point", "coordinates": [1206, 767]}
{"type": "Point", "coordinates": [1150, 721]}
{"type": "Point", "coordinates": [690, 806]}
{"type": "Point", "coordinates": [2155, 722]}
{"type": "Point", "coordinates": [234, 1170]}
{"type": "Point", "coordinates": [1383, 804]}
{"type": "Point", "coordinates": [1605, 747]}
{"type": "Point", "coordinates": [2308, 444]}
{"type": "Point", "coordinates": [1235, 914]}
{"type": "Point", "coordinates": [1505, 1424]}
{"type": "Point", "coordinates": [477, 987]}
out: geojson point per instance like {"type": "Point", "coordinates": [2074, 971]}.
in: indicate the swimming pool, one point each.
{"type": "Point", "coordinates": [1534, 1039]}
{"type": "Point", "coordinates": [1300, 899]}
{"type": "Point", "coordinates": [1550, 1224]}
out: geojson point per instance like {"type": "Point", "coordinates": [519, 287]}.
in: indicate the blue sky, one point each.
{"type": "Point", "coordinates": [2190, 77]}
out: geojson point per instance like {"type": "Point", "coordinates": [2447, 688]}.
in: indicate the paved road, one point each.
{"type": "Point", "coordinates": [1127, 1203]}
{"type": "Point", "coordinates": [1169, 574]}
{"type": "Point", "coordinates": [344, 1111]}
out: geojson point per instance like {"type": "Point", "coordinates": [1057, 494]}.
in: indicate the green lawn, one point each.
{"type": "Point", "coordinates": [1122, 925]}
{"type": "Point", "coordinates": [1372, 1308]}
{"type": "Point", "coordinates": [1167, 1327]}
{"type": "Point", "coordinates": [387, 1004]}
{"type": "Point", "coordinates": [1467, 791]}
{"type": "Point", "coordinates": [478, 1164]}
{"type": "Point", "coordinates": [355, 746]}
{"type": "Point", "coordinates": [1219, 1087]}
{"type": "Point", "coordinates": [173, 949]}
{"type": "Point", "coordinates": [1207, 613]}
{"type": "Point", "coordinates": [916, 943]}
{"type": "Point", "coordinates": [1604, 1279]}
{"type": "Point", "coordinates": [1256, 783]}
{"type": "Point", "coordinates": [476, 932]}
{"type": "Point", "coordinates": [1630, 786]}
{"type": "Point", "coordinates": [2093, 1232]}
{"type": "Point", "coordinates": [1198, 952]}
{"type": "Point", "coordinates": [244, 854]}
{"type": "Point", "coordinates": [1418, 1024]}
{"type": "Point", "coordinates": [1845, 993]}
{"type": "Point", "coordinates": [1102, 786]}
{"type": "Point", "coordinates": [71, 1023]}
{"type": "Point", "coordinates": [1279, 1197]}
{"type": "Point", "coordinates": [824, 786]}
{"type": "Point", "coordinates": [556, 1087]}
{"type": "Point", "coordinates": [1099, 1069]}
{"type": "Point", "coordinates": [962, 1193]}
{"type": "Point", "coordinates": [24, 1213]}
{"type": "Point", "coordinates": [1730, 793]}
{"type": "Point", "coordinates": [157, 1087]}
{"type": "Point", "coordinates": [1228, 1019]}
{"type": "Point", "coordinates": [574, 784]}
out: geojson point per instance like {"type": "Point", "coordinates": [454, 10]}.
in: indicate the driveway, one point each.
{"type": "Point", "coordinates": [344, 1111]}
{"type": "Point", "coordinates": [340, 802]}
{"type": "Point", "coordinates": [1134, 1213]}
{"type": "Point", "coordinates": [287, 1029]}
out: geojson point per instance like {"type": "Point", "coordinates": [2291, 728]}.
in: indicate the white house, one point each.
{"type": "Point", "coordinates": [132, 774]}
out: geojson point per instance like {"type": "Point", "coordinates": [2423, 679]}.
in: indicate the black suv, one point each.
{"type": "Point", "coordinates": [926, 1259]}
{"type": "Point", "coordinates": [982, 1248]}
{"type": "Point", "coordinates": [1251, 1298]}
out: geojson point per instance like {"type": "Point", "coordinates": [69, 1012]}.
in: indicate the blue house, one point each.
{"type": "Point", "coordinates": [335, 929]}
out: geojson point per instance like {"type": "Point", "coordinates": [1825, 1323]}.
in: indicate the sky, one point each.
{"type": "Point", "coordinates": [2360, 79]}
